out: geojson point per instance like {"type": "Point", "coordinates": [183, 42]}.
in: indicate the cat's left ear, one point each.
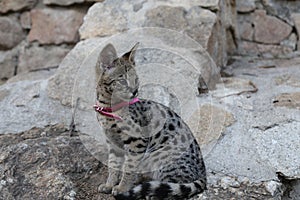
{"type": "Point", "coordinates": [131, 54]}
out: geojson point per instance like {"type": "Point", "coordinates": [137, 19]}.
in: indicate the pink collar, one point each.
{"type": "Point", "coordinates": [107, 111]}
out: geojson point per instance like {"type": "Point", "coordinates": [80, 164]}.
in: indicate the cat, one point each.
{"type": "Point", "coordinates": [152, 152]}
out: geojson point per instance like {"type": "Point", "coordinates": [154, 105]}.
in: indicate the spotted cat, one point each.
{"type": "Point", "coordinates": [152, 152]}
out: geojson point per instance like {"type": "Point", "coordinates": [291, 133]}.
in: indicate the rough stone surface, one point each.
{"type": "Point", "coordinates": [281, 9]}
{"type": "Point", "coordinates": [35, 57]}
{"type": "Point", "coordinates": [177, 16]}
{"type": "Point", "coordinates": [67, 2]}
{"type": "Point", "coordinates": [16, 5]}
{"type": "Point", "coordinates": [296, 19]}
{"type": "Point", "coordinates": [48, 164]}
{"type": "Point", "coordinates": [11, 33]}
{"type": "Point", "coordinates": [234, 86]}
{"type": "Point", "coordinates": [269, 29]}
{"type": "Point", "coordinates": [210, 4]}
{"type": "Point", "coordinates": [264, 50]}
{"type": "Point", "coordinates": [25, 20]}
{"type": "Point", "coordinates": [214, 31]}
{"type": "Point", "coordinates": [28, 100]}
{"type": "Point", "coordinates": [245, 6]}
{"type": "Point", "coordinates": [55, 26]}
{"type": "Point", "coordinates": [246, 31]}
{"type": "Point", "coordinates": [210, 126]}
{"type": "Point", "coordinates": [8, 64]}
{"type": "Point", "coordinates": [290, 100]}
{"type": "Point", "coordinates": [288, 79]}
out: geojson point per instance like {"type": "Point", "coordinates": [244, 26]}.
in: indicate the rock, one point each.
{"type": "Point", "coordinates": [276, 147]}
{"type": "Point", "coordinates": [11, 33]}
{"type": "Point", "coordinates": [8, 63]}
{"type": "Point", "coordinates": [245, 6]}
{"type": "Point", "coordinates": [50, 165]}
{"type": "Point", "coordinates": [288, 79]}
{"type": "Point", "coordinates": [269, 29]}
{"type": "Point", "coordinates": [173, 14]}
{"type": "Point", "coordinates": [246, 31]}
{"type": "Point", "coordinates": [296, 19]}
{"type": "Point", "coordinates": [16, 5]}
{"type": "Point", "coordinates": [264, 50]}
{"type": "Point", "coordinates": [290, 42]}
{"type": "Point", "coordinates": [25, 20]}
{"type": "Point", "coordinates": [67, 2]}
{"type": "Point", "coordinates": [53, 26]}
{"type": "Point", "coordinates": [289, 100]}
{"type": "Point", "coordinates": [210, 126]}
{"type": "Point", "coordinates": [61, 2]}
{"type": "Point", "coordinates": [159, 14]}
{"type": "Point", "coordinates": [36, 57]}
{"type": "Point", "coordinates": [32, 76]}
{"type": "Point", "coordinates": [210, 4]}
{"type": "Point", "coordinates": [27, 106]}
{"type": "Point", "coordinates": [233, 86]}
{"type": "Point", "coordinates": [281, 9]}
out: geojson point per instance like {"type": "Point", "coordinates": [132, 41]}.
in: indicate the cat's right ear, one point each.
{"type": "Point", "coordinates": [107, 56]}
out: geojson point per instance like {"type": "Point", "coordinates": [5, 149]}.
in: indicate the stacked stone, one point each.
{"type": "Point", "coordinates": [268, 28]}
{"type": "Point", "coordinates": [37, 34]}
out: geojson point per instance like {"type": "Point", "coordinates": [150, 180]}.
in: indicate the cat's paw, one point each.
{"type": "Point", "coordinates": [105, 188]}
{"type": "Point", "coordinates": [119, 189]}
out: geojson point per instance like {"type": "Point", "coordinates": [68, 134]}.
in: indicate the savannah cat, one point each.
{"type": "Point", "coordinates": [152, 152]}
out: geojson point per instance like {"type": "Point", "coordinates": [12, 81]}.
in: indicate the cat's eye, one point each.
{"type": "Point", "coordinates": [123, 82]}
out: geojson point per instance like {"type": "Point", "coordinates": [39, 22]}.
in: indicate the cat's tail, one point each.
{"type": "Point", "coordinates": [164, 191]}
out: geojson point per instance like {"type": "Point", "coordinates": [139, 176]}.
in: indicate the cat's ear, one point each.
{"type": "Point", "coordinates": [107, 56]}
{"type": "Point", "coordinates": [131, 54]}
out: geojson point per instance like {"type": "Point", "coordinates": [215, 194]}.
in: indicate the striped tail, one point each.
{"type": "Point", "coordinates": [164, 191]}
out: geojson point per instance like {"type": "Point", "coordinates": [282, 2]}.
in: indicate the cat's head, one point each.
{"type": "Point", "coordinates": [117, 78]}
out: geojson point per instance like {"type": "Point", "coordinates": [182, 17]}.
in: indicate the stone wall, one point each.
{"type": "Point", "coordinates": [37, 34]}
{"type": "Point", "coordinates": [268, 28]}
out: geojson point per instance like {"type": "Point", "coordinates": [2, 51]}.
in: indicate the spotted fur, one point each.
{"type": "Point", "coordinates": [152, 152]}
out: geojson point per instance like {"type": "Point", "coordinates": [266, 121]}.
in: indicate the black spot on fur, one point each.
{"type": "Point", "coordinates": [164, 139]}
{"type": "Point", "coordinates": [140, 146]}
{"type": "Point", "coordinates": [129, 140]}
{"type": "Point", "coordinates": [185, 191]}
{"type": "Point", "coordinates": [145, 189]}
{"type": "Point", "coordinates": [157, 135]}
{"type": "Point", "coordinates": [171, 127]}
{"type": "Point", "coordinates": [162, 191]}
{"type": "Point", "coordinates": [170, 113]}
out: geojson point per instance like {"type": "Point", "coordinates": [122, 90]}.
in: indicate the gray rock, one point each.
{"type": "Point", "coordinates": [164, 14]}
{"type": "Point", "coordinates": [33, 58]}
{"type": "Point", "coordinates": [281, 9]}
{"type": "Point", "coordinates": [182, 16]}
{"type": "Point", "coordinates": [67, 2]}
{"type": "Point", "coordinates": [269, 29]}
{"type": "Point", "coordinates": [11, 33]}
{"type": "Point", "coordinates": [50, 165]}
{"type": "Point", "coordinates": [16, 5]}
{"type": "Point", "coordinates": [55, 26]}
{"type": "Point", "coordinates": [210, 4]}
{"type": "Point", "coordinates": [25, 20]}
{"type": "Point", "coordinates": [290, 100]}
{"type": "Point", "coordinates": [8, 64]}
{"type": "Point", "coordinates": [28, 106]}
{"type": "Point", "coordinates": [245, 6]}
{"type": "Point", "coordinates": [264, 50]}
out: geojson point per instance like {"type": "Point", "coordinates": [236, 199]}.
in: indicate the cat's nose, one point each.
{"type": "Point", "coordinates": [135, 92]}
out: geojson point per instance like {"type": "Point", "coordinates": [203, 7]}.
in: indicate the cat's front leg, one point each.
{"type": "Point", "coordinates": [129, 175]}
{"type": "Point", "coordinates": [115, 162]}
